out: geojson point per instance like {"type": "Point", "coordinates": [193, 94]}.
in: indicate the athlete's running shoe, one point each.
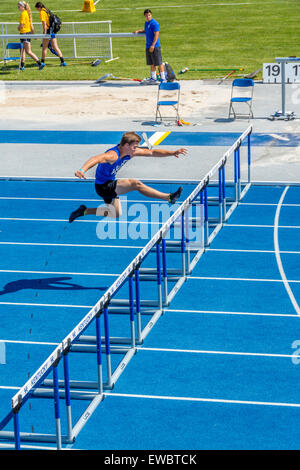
{"type": "Point", "coordinates": [173, 197]}
{"type": "Point", "coordinates": [149, 81]}
{"type": "Point", "coordinates": [78, 213]}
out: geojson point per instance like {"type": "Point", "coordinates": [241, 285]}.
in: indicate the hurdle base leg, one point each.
{"type": "Point", "coordinates": [280, 116]}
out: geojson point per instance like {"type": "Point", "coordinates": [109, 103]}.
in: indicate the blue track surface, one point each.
{"type": "Point", "coordinates": [216, 372]}
{"type": "Point", "coordinates": [175, 138]}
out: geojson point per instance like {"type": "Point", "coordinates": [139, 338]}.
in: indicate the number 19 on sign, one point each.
{"type": "Point", "coordinates": [272, 73]}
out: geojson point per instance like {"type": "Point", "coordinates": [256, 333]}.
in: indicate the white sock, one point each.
{"type": "Point", "coordinates": [153, 75]}
{"type": "Point", "coordinates": [163, 75]}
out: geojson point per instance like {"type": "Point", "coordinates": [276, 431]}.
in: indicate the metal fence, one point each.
{"type": "Point", "coordinates": [73, 46]}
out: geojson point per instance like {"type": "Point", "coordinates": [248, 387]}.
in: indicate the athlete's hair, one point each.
{"type": "Point", "coordinates": [27, 8]}
{"type": "Point", "coordinates": [130, 138]}
{"type": "Point", "coordinates": [147, 11]}
{"type": "Point", "coordinates": [39, 5]}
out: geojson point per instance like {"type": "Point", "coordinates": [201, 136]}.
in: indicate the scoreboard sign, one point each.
{"type": "Point", "coordinates": [272, 72]}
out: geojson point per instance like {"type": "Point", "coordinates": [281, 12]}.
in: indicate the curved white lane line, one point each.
{"type": "Point", "coordinates": [277, 254]}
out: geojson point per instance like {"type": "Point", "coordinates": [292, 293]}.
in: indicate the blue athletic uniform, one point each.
{"type": "Point", "coordinates": [151, 27]}
{"type": "Point", "coordinates": [105, 182]}
{"type": "Point", "coordinates": [107, 171]}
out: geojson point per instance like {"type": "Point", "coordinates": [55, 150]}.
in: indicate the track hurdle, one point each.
{"type": "Point", "coordinates": [61, 387]}
{"type": "Point", "coordinates": [222, 204]}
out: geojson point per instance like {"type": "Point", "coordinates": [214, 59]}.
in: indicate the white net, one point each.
{"type": "Point", "coordinates": [73, 47]}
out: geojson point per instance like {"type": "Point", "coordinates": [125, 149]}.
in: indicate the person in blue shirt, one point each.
{"type": "Point", "coordinates": [153, 47]}
{"type": "Point", "coordinates": [110, 188]}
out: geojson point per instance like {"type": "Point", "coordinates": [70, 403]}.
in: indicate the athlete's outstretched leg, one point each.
{"type": "Point", "coordinates": [125, 186]}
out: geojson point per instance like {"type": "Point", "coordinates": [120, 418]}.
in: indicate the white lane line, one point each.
{"type": "Point", "coordinates": [266, 204]}
{"type": "Point", "coordinates": [228, 353]}
{"type": "Point", "coordinates": [277, 254]}
{"type": "Point", "coordinates": [18, 198]}
{"type": "Point", "coordinates": [195, 399]}
{"type": "Point", "coordinates": [157, 6]}
{"type": "Point", "coordinates": [170, 310]}
{"type": "Point", "coordinates": [279, 137]}
{"type": "Point", "coordinates": [28, 304]}
{"type": "Point", "coordinates": [23, 219]}
{"type": "Point", "coordinates": [30, 447]}
{"type": "Point", "coordinates": [8, 387]}
{"type": "Point", "coordinates": [171, 350]}
{"type": "Point", "coordinates": [57, 272]}
{"type": "Point", "coordinates": [262, 226]}
{"type": "Point", "coordinates": [239, 279]}
{"type": "Point", "coordinates": [122, 198]}
{"type": "Point", "coordinates": [73, 245]}
{"type": "Point", "coordinates": [185, 311]}
{"type": "Point", "coordinates": [233, 250]}
{"type": "Point", "coordinates": [221, 312]}
{"type": "Point", "coordinates": [39, 343]}
{"type": "Point", "coordinates": [207, 400]}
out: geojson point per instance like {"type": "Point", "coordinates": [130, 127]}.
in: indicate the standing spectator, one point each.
{"type": "Point", "coordinates": [45, 19]}
{"type": "Point", "coordinates": [153, 48]}
{"type": "Point", "coordinates": [26, 27]}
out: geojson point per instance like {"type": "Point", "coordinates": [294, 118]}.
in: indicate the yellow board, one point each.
{"type": "Point", "coordinates": [88, 6]}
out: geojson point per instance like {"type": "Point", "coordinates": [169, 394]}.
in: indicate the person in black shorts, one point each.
{"type": "Point", "coordinates": [153, 48]}
{"type": "Point", "coordinates": [110, 188]}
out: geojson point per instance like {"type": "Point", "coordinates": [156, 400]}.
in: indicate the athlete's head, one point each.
{"type": "Point", "coordinates": [130, 140]}
{"type": "Point", "coordinates": [39, 6]}
{"type": "Point", "coordinates": [148, 15]}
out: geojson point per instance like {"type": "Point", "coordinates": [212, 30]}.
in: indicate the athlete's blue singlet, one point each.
{"type": "Point", "coordinates": [106, 171]}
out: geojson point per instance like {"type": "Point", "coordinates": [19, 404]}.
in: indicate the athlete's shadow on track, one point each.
{"type": "Point", "coordinates": [50, 283]}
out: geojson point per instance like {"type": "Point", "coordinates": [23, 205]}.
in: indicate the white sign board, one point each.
{"type": "Point", "coordinates": [272, 72]}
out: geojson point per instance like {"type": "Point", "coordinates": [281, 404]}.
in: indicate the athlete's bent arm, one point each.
{"type": "Point", "coordinates": [108, 157]}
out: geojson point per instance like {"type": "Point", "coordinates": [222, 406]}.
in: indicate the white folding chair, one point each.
{"type": "Point", "coordinates": [241, 92]}
{"type": "Point", "coordinates": [163, 100]}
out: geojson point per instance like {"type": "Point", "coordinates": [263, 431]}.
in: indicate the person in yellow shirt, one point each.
{"type": "Point", "coordinates": [45, 19]}
{"type": "Point", "coordinates": [26, 27]}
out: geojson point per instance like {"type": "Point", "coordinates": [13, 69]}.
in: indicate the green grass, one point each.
{"type": "Point", "coordinates": [194, 33]}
